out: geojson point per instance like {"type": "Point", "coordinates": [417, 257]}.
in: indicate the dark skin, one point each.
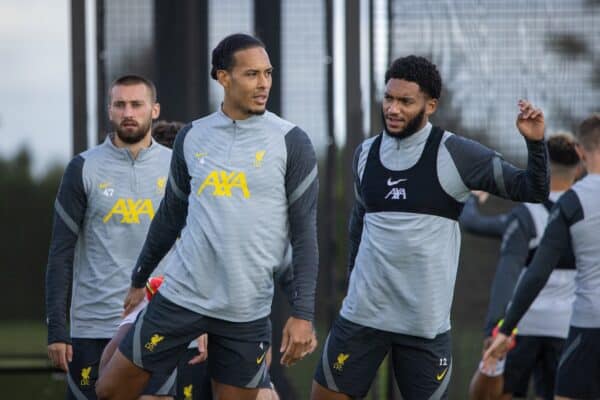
{"type": "Point", "coordinates": [246, 87]}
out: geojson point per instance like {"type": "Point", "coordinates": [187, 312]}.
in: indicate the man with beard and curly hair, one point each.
{"type": "Point", "coordinates": [411, 181]}
{"type": "Point", "coordinates": [106, 200]}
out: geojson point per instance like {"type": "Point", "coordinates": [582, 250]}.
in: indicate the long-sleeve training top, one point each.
{"type": "Point", "coordinates": [243, 190]}
{"type": "Point", "coordinates": [102, 213]}
{"type": "Point", "coordinates": [404, 232]}
{"type": "Point", "coordinates": [573, 222]}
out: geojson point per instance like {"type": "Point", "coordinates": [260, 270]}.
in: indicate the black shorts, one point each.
{"type": "Point", "coordinates": [83, 369]}
{"type": "Point", "coordinates": [537, 356]}
{"type": "Point", "coordinates": [163, 331]}
{"type": "Point", "coordinates": [193, 381]}
{"type": "Point", "coordinates": [352, 354]}
{"type": "Point", "coordinates": [578, 373]}
{"type": "Point", "coordinates": [83, 372]}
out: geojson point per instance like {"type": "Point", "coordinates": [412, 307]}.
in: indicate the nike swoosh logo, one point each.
{"type": "Point", "coordinates": [441, 375]}
{"type": "Point", "coordinates": [390, 182]}
{"type": "Point", "coordinates": [260, 359]}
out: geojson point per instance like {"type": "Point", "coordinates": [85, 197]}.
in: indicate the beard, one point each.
{"type": "Point", "coordinates": [256, 112]}
{"type": "Point", "coordinates": [411, 127]}
{"type": "Point", "coordinates": [129, 136]}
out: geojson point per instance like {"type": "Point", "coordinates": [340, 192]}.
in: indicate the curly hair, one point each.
{"type": "Point", "coordinates": [222, 55]}
{"type": "Point", "coordinates": [164, 132]}
{"type": "Point", "coordinates": [418, 70]}
{"type": "Point", "coordinates": [561, 148]}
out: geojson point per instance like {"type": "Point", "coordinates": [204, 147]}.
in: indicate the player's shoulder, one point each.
{"type": "Point", "coordinates": [276, 125]}
{"type": "Point", "coordinates": [365, 145]}
{"type": "Point", "coordinates": [461, 146]}
{"type": "Point", "coordinates": [570, 205]}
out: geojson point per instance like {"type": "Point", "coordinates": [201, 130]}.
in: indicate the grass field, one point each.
{"type": "Point", "coordinates": [23, 346]}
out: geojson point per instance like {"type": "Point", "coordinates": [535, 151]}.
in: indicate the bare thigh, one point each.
{"type": "Point", "coordinates": [121, 379]}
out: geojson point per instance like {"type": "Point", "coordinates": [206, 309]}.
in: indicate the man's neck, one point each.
{"type": "Point", "coordinates": [234, 113]}
{"type": "Point", "coordinates": [560, 184]}
{"type": "Point", "coordinates": [133, 148]}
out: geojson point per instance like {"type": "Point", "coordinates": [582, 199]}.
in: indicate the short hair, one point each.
{"type": "Point", "coordinates": [164, 132]}
{"type": "Point", "coordinates": [589, 132]}
{"type": "Point", "coordinates": [561, 148]}
{"type": "Point", "coordinates": [418, 70]}
{"type": "Point", "coordinates": [222, 55]}
{"type": "Point", "coordinates": [133, 79]}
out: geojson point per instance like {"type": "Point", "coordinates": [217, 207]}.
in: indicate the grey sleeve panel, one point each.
{"type": "Point", "coordinates": [557, 237]}
{"type": "Point", "coordinates": [355, 225]}
{"type": "Point", "coordinates": [476, 223]}
{"type": "Point", "coordinates": [70, 208]}
{"type": "Point", "coordinates": [302, 189]}
{"type": "Point", "coordinates": [513, 254]}
{"type": "Point", "coordinates": [170, 217]}
{"type": "Point", "coordinates": [483, 169]}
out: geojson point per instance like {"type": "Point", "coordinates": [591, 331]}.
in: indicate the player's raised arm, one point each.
{"type": "Point", "coordinates": [480, 168]}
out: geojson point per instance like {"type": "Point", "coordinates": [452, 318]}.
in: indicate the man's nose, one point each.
{"type": "Point", "coordinates": [128, 110]}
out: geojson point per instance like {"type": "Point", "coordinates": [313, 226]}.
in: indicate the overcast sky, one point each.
{"type": "Point", "coordinates": [34, 80]}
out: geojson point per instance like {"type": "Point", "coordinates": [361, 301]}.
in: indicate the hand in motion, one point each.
{"type": "Point", "coordinates": [297, 341]}
{"type": "Point", "coordinates": [481, 196]}
{"type": "Point", "coordinates": [497, 350]}
{"type": "Point", "coordinates": [134, 297]}
{"type": "Point", "coordinates": [530, 121]}
{"type": "Point", "coordinates": [202, 341]}
{"type": "Point", "coordinates": [61, 354]}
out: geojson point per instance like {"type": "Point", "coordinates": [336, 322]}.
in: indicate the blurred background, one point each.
{"type": "Point", "coordinates": [59, 57]}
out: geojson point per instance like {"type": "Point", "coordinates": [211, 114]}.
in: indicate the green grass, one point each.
{"type": "Point", "coordinates": [23, 337]}
{"type": "Point", "coordinates": [23, 345]}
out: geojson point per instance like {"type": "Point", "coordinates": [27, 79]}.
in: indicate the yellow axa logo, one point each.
{"type": "Point", "coordinates": [258, 158]}
{"type": "Point", "coordinates": [224, 182]}
{"type": "Point", "coordinates": [187, 392]}
{"type": "Point", "coordinates": [85, 376]}
{"type": "Point", "coordinates": [341, 360]}
{"type": "Point", "coordinates": [154, 340]}
{"type": "Point", "coordinates": [161, 183]}
{"type": "Point", "coordinates": [441, 375]}
{"type": "Point", "coordinates": [130, 210]}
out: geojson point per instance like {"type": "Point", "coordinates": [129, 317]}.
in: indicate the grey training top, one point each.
{"type": "Point", "coordinates": [550, 313]}
{"type": "Point", "coordinates": [403, 264]}
{"type": "Point", "coordinates": [573, 222]}
{"type": "Point", "coordinates": [102, 212]}
{"type": "Point", "coordinates": [243, 190]}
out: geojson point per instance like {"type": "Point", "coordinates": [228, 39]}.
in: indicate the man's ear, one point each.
{"type": "Point", "coordinates": [580, 152]}
{"type": "Point", "coordinates": [155, 110]}
{"type": "Point", "coordinates": [430, 106]}
{"type": "Point", "coordinates": [223, 78]}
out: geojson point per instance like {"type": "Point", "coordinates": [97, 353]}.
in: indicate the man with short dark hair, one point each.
{"type": "Point", "coordinates": [573, 225]}
{"type": "Point", "coordinates": [243, 184]}
{"type": "Point", "coordinates": [410, 184]}
{"type": "Point", "coordinates": [106, 200]}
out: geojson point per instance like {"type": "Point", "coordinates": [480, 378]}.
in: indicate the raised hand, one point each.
{"type": "Point", "coordinates": [530, 121]}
